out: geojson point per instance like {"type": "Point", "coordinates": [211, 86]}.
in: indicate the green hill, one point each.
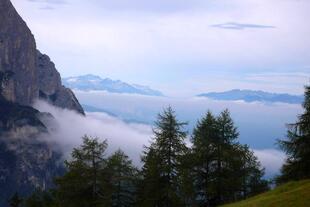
{"type": "Point", "coordinates": [291, 194]}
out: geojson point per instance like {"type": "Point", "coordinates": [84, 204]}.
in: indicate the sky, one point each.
{"type": "Point", "coordinates": [180, 47]}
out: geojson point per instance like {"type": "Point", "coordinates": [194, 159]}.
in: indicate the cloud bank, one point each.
{"type": "Point", "coordinates": [68, 128]}
{"type": "Point", "coordinates": [271, 159]}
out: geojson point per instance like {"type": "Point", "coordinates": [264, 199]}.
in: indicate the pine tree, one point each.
{"type": "Point", "coordinates": [297, 146]}
{"type": "Point", "coordinates": [204, 154]}
{"type": "Point", "coordinates": [162, 161]}
{"type": "Point", "coordinates": [247, 173]}
{"type": "Point", "coordinates": [224, 170]}
{"type": "Point", "coordinates": [149, 194]}
{"type": "Point", "coordinates": [187, 180]}
{"type": "Point", "coordinates": [227, 134]}
{"type": "Point", "coordinates": [82, 184]}
{"type": "Point", "coordinates": [123, 180]}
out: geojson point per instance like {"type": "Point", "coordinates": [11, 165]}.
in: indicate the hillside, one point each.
{"type": "Point", "coordinates": [290, 195]}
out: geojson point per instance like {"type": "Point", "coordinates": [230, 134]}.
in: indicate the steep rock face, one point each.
{"type": "Point", "coordinates": [25, 73]}
{"type": "Point", "coordinates": [26, 166]}
{"type": "Point", "coordinates": [50, 88]}
{"type": "Point", "coordinates": [27, 162]}
{"type": "Point", "coordinates": [17, 56]}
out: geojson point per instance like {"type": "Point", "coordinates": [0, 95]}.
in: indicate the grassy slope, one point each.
{"type": "Point", "coordinates": [291, 194]}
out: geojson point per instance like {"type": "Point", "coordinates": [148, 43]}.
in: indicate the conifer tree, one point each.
{"type": "Point", "coordinates": [81, 185]}
{"type": "Point", "coordinates": [227, 135]}
{"type": "Point", "coordinates": [122, 177]}
{"type": "Point", "coordinates": [204, 154]}
{"type": "Point", "coordinates": [149, 194]}
{"type": "Point", "coordinates": [297, 146]}
{"type": "Point", "coordinates": [187, 180]}
{"type": "Point", "coordinates": [224, 170]}
{"type": "Point", "coordinates": [162, 161]}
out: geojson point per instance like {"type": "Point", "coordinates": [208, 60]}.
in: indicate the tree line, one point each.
{"type": "Point", "coordinates": [211, 170]}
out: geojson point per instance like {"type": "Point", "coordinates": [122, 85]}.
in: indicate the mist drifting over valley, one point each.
{"type": "Point", "coordinates": [128, 122]}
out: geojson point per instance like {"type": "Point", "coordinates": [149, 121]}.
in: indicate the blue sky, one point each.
{"type": "Point", "coordinates": [180, 47]}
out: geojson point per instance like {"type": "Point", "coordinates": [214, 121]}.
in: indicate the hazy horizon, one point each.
{"type": "Point", "coordinates": [180, 48]}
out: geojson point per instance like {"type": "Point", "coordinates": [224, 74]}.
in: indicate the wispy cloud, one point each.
{"type": "Point", "coordinates": [240, 26]}
{"type": "Point", "coordinates": [49, 1]}
{"type": "Point", "coordinates": [47, 8]}
{"type": "Point", "coordinates": [271, 159]}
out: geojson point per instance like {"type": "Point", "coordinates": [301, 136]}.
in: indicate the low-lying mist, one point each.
{"type": "Point", "coordinates": [68, 127]}
{"type": "Point", "coordinates": [259, 124]}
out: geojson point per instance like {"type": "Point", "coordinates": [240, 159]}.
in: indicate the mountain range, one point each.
{"type": "Point", "coordinates": [96, 83]}
{"type": "Point", "coordinates": [253, 96]}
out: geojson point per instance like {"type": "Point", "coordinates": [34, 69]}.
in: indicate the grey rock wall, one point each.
{"type": "Point", "coordinates": [50, 87]}
{"type": "Point", "coordinates": [25, 73]}
{"type": "Point", "coordinates": [17, 56]}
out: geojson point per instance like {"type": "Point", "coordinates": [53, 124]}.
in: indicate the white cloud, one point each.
{"type": "Point", "coordinates": [271, 159]}
{"type": "Point", "coordinates": [68, 128]}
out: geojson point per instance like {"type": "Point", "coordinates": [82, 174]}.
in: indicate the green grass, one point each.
{"type": "Point", "coordinates": [288, 195]}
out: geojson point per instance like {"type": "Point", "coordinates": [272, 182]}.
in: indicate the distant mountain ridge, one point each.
{"type": "Point", "coordinates": [253, 96]}
{"type": "Point", "coordinates": [93, 82]}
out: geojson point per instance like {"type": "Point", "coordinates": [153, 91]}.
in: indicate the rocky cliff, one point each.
{"type": "Point", "coordinates": [25, 73]}
{"type": "Point", "coordinates": [17, 57]}
{"type": "Point", "coordinates": [27, 161]}
{"type": "Point", "coordinates": [50, 88]}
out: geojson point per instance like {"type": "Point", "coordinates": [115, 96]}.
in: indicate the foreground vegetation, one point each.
{"type": "Point", "coordinates": [291, 194]}
{"type": "Point", "coordinates": [215, 170]}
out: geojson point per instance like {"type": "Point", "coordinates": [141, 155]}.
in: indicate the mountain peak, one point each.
{"type": "Point", "coordinates": [93, 82]}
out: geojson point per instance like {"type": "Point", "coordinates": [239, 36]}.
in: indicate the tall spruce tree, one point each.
{"type": "Point", "coordinates": [224, 170]}
{"type": "Point", "coordinates": [204, 155]}
{"type": "Point", "coordinates": [186, 180]}
{"type": "Point", "coordinates": [148, 193]}
{"type": "Point", "coordinates": [227, 135]}
{"type": "Point", "coordinates": [122, 177]}
{"type": "Point", "coordinates": [82, 184]}
{"type": "Point", "coordinates": [247, 174]}
{"type": "Point", "coordinates": [163, 162]}
{"type": "Point", "coordinates": [297, 146]}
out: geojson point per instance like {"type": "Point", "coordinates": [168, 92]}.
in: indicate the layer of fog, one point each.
{"type": "Point", "coordinates": [68, 127]}
{"type": "Point", "coordinates": [259, 124]}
